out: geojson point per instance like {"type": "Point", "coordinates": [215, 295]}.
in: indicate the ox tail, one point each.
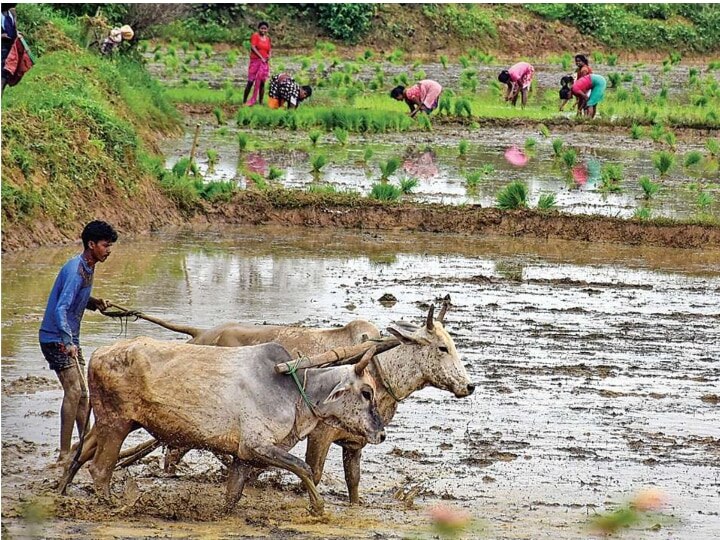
{"type": "Point", "coordinates": [181, 328]}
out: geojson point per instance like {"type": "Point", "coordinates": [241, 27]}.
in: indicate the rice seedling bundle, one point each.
{"type": "Point", "coordinates": [513, 196]}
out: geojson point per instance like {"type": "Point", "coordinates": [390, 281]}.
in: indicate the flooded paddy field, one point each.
{"type": "Point", "coordinates": [434, 160]}
{"type": "Point", "coordinates": [597, 371]}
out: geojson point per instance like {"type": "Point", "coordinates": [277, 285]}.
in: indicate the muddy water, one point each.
{"type": "Point", "coordinates": [433, 159]}
{"type": "Point", "coordinates": [598, 370]}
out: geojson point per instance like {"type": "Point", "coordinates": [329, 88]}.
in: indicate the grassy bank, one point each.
{"type": "Point", "coordinates": [78, 132]}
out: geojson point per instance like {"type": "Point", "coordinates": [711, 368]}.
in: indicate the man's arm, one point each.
{"type": "Point", "coordinates": [70, 289]}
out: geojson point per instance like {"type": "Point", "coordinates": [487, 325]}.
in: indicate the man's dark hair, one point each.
{"type": "Point", "coordinates": [504, 76]}
{"type": "Point", "coordinates": [397, 92]}
{"type": "Point", "coordinates": [308, 91]}
{"type": "Point", "coordinates": [582, 58]}
{"type": "Point", "coordinates": [263, 23]}
{"type": "Point", "coordinates": [96, 231]}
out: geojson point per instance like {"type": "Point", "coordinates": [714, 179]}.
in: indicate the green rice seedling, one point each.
{"type": "Point", "coordinates": [663, 161]}
{"type": "Point", "coordinates": [445, 104]}
{"type": "Point", "coordinates": [196, 55]}
{"type": "Point", "coordinates": [646, 79]}
{"type": "Point", "coordinates": [597, 57]}
{"type": "Point", "coordinates": [469, 80]}
{"type": "Point", "coordinates": [322, 189]}
{"type": "Point", "coordinates": [208, 50]}
{"type": "Point", "coordinates": [243, 140]}
{"type": "Point", "coordinates": [396, 56]}
{"type": "Point", "coordinates": [419, 75]}
{"type": "Point", "coordinates": [713, 146]}
{"type": "Point", "coordinates": [212, 157]}
{"type": "Point", "coordinates": [314, 136]}
{"type": "Point", "coordinates": [367, 54]}
{"type": "Point", "coordinates": [713, 65]}
{"type": "Point", "coordinates": [401, 78]}
{"type": "Point", "coordinates": [704, 200]}
{"type": "Point", "coordinates": [700, 101]}
{"type": "Point", "coordinates": [566, 61]}
{"type": "Point", "coordinates": [463, 146]}
{"type": "Point", "coordinates": [693, 158]}
{"type": "Point", "coordinates": [257, 180]}
{"type": "Point", "coordinates": [274, 173]}
{"type": "Point", "coordinates": [546, 201]}
{"type": "Point", "coordinates": [642, 213]}
{"type": "Point", "coordinates": [657, 132]}
{"type": "Point", "coordinates": [472, 179]}
{"type": "Point", "coordinates": [171, 51]}
{"type": "Point", "coordinates": [667, 68]}
{"type": "Point", "coordinates": [611, 175]}
{"type": "Point", "coordinates": [444, 61]}
{"type": "Point", "coordinates": [614, 80]}
{"type": "Point", "coordinates": [486, 58]}
{"type": "Point", "coordinates": [389, 168]}
{"type": "Point", "coordinates": [158, 56]}
{"type": "Point", "coordinates": [487, 169]}
{"type": "Point", "coordinates": [383, 191]}
{"type": "Point", "coordinates": [218, 191]}
{"type": "Point", "coordinates": [627, 77]}
{"type": "Point", "coordinates": [464, 62]}
{"type": "Point", "coordinates": [221, 132]}
{"type": "Point", "coordinates": [217, 111]}
{"type": "Point", "coordinates": [341, 135]}
{"type": "Point", "coordinates": [693, 72]}
{"type": "Point", "coordinates": [569, 157]}
{"type": "Point", "coordinates": [557, 145]}
{"type": "Point", "coordinates": [513, 196]}
{"type": "Point", "coordinates": [473, 52]}
{"type": "Point", "coordinates": [424, 122]}
{"type": "Point", "coordinates": [530, 143]}
{"type": "Point", "coordinates": [636, 131]}
{"type": "Point", "coordinates": [407, 185]}
{"type": "Point", "coordinates": [612, 59]}
{"type": "Point", "coordinates": [368, 154]}
{"type": "Point", "coordinates": [305, 63]}
{"type": "Point", "coordinates": [675, 57]}
{"type": "Point", "coordinates": [463, 108]}
{"type": "Point", "coordinates": [649, 187]}
{"type": "Point", "coordinates": [318, 162]}
{"type": "Point", "coordinates": [231, 58]}
{"type": "Point", "coordinates": [184, 167]}
{"type": "Point", "coordinates": [670, 138]}
{"type": "Point", "coordinates": [544, 131]}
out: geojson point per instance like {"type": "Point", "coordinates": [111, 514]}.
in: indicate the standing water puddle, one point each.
{"type": "Point", "coordinates": [597, 366]}
{"type": "Point", "coordinates": [434, 160]}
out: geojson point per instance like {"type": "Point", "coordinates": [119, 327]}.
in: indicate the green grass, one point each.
{"type": "Point", "coordinates": [383, 191]}
{"type": "Point", "coordinates": [463, 146]}
{"type": "Point", "coordinates": [318, 162]}
{"type": "Point", "coordinates": [389, 167]}
{"type": "Point", "coordinates": [546, 201]}
{"type": "Point", "coordinates": [693, 158]}
{"type": "Point", "coordinates": [649, 187]}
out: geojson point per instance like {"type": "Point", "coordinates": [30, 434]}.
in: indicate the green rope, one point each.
{"type": "Point", "coordinates": [293, 373]}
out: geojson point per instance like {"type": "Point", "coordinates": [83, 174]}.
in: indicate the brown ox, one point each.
{"type": "Point", "coordinates": [226, 400]}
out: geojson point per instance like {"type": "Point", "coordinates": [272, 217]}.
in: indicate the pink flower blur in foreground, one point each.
{"type": "Point", "coordinates": [648, 500]}
{"type": "Point", "coordinates": [516, 157]}
{"type": "Point", "coordinates": [449, 517]}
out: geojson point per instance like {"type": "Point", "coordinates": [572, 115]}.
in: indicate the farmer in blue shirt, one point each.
{"type": "Point", "coordinates": [60, 329]}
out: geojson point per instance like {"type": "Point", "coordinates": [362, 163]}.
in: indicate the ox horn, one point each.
{"type": "Point", "coordinates": [444, 308]}
{"type": "Point", "coordinates": [364, 361]}
{"type": "Point", "coordinates": [430, 324]}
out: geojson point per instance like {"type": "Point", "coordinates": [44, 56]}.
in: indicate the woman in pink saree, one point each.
{"type": "Point", "coordinates": [422, 96]}
{"type": "Point", "coordinates": [518, 79]}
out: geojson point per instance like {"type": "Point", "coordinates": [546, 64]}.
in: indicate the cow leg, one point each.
{"type": "Point", "coordinates": [277, 457]}
{"type": "Point", "coordinates": [109, 441]}
{"type": "Point", "coordinates": [173, 456]}
{"type": "Point", "coordinates": [237, 476]}
{"type": "Point", "coordinates": [351, 466]}
{"type": "Point", "coordinates": [318, 446]}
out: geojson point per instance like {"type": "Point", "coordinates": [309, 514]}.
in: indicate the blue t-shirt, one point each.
{"type": "Point", "coordinates": [67, 302]}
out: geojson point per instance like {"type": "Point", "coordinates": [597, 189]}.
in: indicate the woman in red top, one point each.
{"type": "Point", "coordinates": [259, 68]}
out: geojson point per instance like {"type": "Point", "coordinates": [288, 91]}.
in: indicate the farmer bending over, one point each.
{"type": "Point", "coordinates": [422, 96]}
{"type": "Point", "coordinates": [284, 89]}
{"type": "Point", "coordinates": [60, 329]}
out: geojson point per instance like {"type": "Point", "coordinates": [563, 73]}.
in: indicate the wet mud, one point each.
{"type": "Point", "coordinates": [596, 370]}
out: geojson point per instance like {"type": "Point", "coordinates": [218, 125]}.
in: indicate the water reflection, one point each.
{"type": "Point", "coordinates": [422, 165]}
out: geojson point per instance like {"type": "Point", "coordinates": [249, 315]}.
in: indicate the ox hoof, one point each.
{"type": "Point", "coordinates": [317, 510]}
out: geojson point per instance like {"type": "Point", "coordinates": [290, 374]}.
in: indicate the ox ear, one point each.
{"type": "Point", "coordinates": [405, 332]}
{"type": "Point", "coordinates": [341, 389]}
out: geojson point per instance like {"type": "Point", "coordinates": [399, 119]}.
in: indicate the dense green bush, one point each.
{"type": "Point", "coordinates": [348, 22]}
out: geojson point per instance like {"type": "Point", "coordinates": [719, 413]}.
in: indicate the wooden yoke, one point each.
{"type": "Point", "coordinates": [345, 355]}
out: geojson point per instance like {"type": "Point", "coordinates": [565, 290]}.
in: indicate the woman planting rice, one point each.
{"type": "Point", "coordinates": [518, 79]}
{"type": "Point", "coordinates": [422, 96]}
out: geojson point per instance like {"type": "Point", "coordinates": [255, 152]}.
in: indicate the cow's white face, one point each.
{"type": "Point", "coordinates": [351, 406]}
{"type": "Point", "coordinates": [436, 357]}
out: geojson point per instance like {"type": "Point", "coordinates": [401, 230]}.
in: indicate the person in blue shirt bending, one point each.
{"type": "Point", "coordinates": [60, 328]}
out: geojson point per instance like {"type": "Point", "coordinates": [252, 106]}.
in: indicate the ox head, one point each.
{"type": "Point", "coordinates": [351, 405]}
{"type": "Point", "coordinates": [436, 356]}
